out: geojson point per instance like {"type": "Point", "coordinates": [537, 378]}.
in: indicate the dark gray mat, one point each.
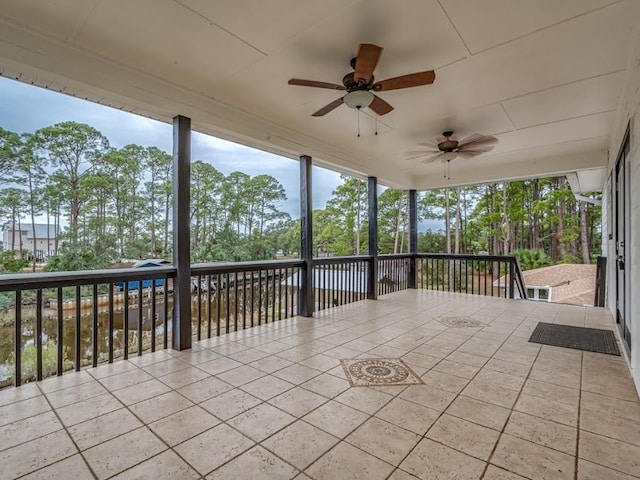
{"type": "Point", "coordinates": [580, 338]}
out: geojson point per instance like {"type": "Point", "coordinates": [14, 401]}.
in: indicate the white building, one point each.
{"type": "Point", "coordinates": [25, 238]}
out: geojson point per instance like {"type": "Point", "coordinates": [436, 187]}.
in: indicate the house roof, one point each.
{"type": "Point", "coordinates": [543, 77]}
{"type": "Point", "coordinates": [570, 283]}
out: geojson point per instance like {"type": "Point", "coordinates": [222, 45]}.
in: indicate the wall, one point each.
{"type": "Point", "coordinates": [627, 114]}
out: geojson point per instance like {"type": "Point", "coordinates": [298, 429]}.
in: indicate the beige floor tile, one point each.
{"type": "Point", "coordinates": [532, 460]}
{"type": "Point", "coordinates": [71, 468]}
{"type": "Point", "coordinates": [109, 369]}
{"type": "Point", "coordinates": [142, 391]}
{"type": "Point", "coordinates": [103, 428]}
{"type": "Point", "coordinates": [271, 364]}
{"type": "Point", "coordinates": [166, 466]}
{"type": "Point", "coordinates": [501, 379]}
{"type": "Point", "coordinates": [495, 473]}
{"type": "Point", "coordinates": [364, 399]}
{"type": "Point", "coordinates": [88, 409]}
{"type": "Point", "coordinates": [130, 377]}
{"type": "Point", "coordinates": [248, 356]}
{"type": "Point", "coordinates": [414, 359]}
{"type": "Point", "coordinates": [551, 391]}
{"type": "Point", "coordinates": [258, 463]}
{"type": "Point", "coordinates": [427, 396]}
{"type": "Point", "coordinates": [261, 421]}
{"type": "Point", "coordinates": [383, 440]}
{"type": "Point", "coordinates": [433, 461]}
{"type": "Point", "coordinates": [297, 374]}
{"type": "Point", "coordinates": [467, 437]}
{"type": "Point", "coordinates": [609, 425]}
{"type": "Point", "coordinates": [118, 454]}
{"type": "Point", "coordinates": [212, 448]}
{"type": "Point", "coordinates": [614, 406]}
{"type": "Point", "coordinates": [267, 387]}
{"type": "Point", "coordinates": [163, 405]}
{"type": "Point", "coordinates": [204, 389]}
{"type": "Point", "coordinates": [219, 365]}
{"type": "Point", "coordinates": [181, 426]}
{"type": "Point", "coordinates": [184, 377]}
{"type": "Point", "coordinates": [196, 357]}
{"type": "Point", "coordinates": [60, 398]}
{"type": "Point", "coordinates": [487, 391]}
{"type": "Point", "coordinates": [336, 418]}
{"type": "Point", "coordinates": [241, 375]}
{"type": "Point", "coordinates": [444, 381]}
{"type": "Point", "coordinates": [11, 394]}
{"type": "Point", "coordinates": [229, 348]}
{"type": "Point", "coordinates": [477, 411]}
{"type": "Point", "coordinates": [298, 401]}
{"type": "Point", "coordinates": [230, 404]}
{"type": "Point", "coordinates": [23, 409]}
{"type": "Point", "coordinates": [408, 415]}
{"type": "Point", "coordinates": [348, 463]}
{"type": "Point", "coordinates": [326, 385]}
{"type": "Point", "coordinates": [28, 429]}
{"type": "Point", "coordinates": [614, 454]}
{"type": "Point", "coordinates": [401, 475]}
{"type": "Point", "coordinates": [150, 358]}
{"type": "Point", "coordinates": [300, 444]}
{"type": "Point", "coordinates": [38, 453]}
{"type": "Point", "coordinates": [69, 379]}
{"type": "Point", "coordinates": [523, 358]}
{"type": "Point", "coordinates": [543, 432]}
{"type": "Point", "coordinates": [591, 471]}
{"type": "Point", "coordinates": [456, 368]}
{"type": "Point", "coordinates": [467, 358]}
{"type": "Point", "coordinates": [548, 409]}
{"type": "Point", "coordinates": [320, 362]}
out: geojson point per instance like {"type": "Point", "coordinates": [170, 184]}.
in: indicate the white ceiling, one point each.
{"type": "Point", "coordinates": [542, 76]}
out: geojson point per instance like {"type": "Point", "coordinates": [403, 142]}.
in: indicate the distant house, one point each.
{"type": "Point", "coordinates": [43, 237]}
{"type": "Point", "coordinates": [564, 283]}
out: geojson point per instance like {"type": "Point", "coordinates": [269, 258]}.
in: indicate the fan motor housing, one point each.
{"type": "Point", "coordinates": [352, 85]}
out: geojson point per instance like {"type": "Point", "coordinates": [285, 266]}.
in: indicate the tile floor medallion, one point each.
{"type": "Point", "coordinates": [460, 322]}
{"type": "Point", "coordinates": [376, 372]}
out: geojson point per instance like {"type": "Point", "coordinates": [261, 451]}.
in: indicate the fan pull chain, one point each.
{"type": "Point", "coordinates": [376, 118]}
{"type": "Point", "coordinates": [358, 122]}
{"type": "Point", "coordinates": [448, 169]}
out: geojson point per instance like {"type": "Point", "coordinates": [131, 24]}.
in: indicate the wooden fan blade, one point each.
{"type": "Point", "coordinates": [429, 145]}
{"type": "Point", "coordinates": [468, 153]}
{"type": "Point", "coordinates": [327, 108]}
{"type": "Point", "coordinates": [313, 83]}
{"type": "Point", "coordinates": [483, 140]}
{"type": "Point", "coordinates": [418, 154]}
{"type": "Point", "coordinates": [432, 158]}
{"type": "Point", "coordinates": [366, 61]}
{"type": "Point", "coordinates": [405, 81]}
{"type": "Point", "coordinates": [380, 106]}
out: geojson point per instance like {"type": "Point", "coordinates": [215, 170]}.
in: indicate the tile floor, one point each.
{"type": "Point", "coordinates": [273, 403]}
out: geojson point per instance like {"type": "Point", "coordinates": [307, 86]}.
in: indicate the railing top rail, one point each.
{"type": "Point", "coordinates": [465, 256]}
{"type": "Point", "coordinates": [230, 267]}
{"type": "Point", "coordinates": [29, 281]}
{"type": "Point", "coordinates": [393, 256]}
{"type": "Point", "coordinates": [340, 260]}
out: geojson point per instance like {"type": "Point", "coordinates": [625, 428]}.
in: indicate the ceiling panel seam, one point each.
{"type": "Point", "coordinates": [453, 25]}
{"type": "Point", "coordinates": [577, 117]}
{"type": "Point", "coordinates": [211, 22]}
{"type": "Point", "coordinates": [534, 32]}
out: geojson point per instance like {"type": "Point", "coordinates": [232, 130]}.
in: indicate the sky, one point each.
{"type": "Point", "coordinates": [25, 108]}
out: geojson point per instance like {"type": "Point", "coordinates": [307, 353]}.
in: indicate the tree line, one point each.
{"type": "Point", "coordinates": [116, 203]}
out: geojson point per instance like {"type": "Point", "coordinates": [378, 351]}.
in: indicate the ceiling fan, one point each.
{"type": "Point", "coordinates": [447, 148]}
{"type": "Point", "coordinates": [360, 83]}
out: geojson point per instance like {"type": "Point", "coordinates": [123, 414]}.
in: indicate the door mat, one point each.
{"type": "Point", "coordinates": [579, 338]}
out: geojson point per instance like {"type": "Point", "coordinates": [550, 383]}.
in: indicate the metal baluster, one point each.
{"type": "Point", "coordinates": [94, 339]}
{"type": "Point", "coordinates": [39, 334]}
{"type": "Point", "coordinates": [153, 316]}
{"type": "Point", "coordinates": [208, 305]}
{"type": "Point", "coordinates": [260, 297]}
{"type": "Point", "coordinates": [17, 353]}
{"type": "Point", "coordinates": [140, 315]}
{"type": "Point", "coordinates": [227, 306]}
{"type": "Point", "coordinates": [235, 301]}
{"type": "Point", "coordinates": [252, 296]}
{"type": "Point", "coordinates": [273, 299]}
{"type": "Point", "coordinates": [60, 332]}
{"type": "Point", "coordinates": [218, 306]}
{"type": "Point", "coordinates": [126, 320]}
{"type": "Point", "coordinates": [244, 300]}
{"type": "Point", "coordinates": [199, 303]}
{"type": "Point", "coordinates": [280, 294]}
{"type": "Point", "coordinates": [78, 327]}
{"type": "Point", "coordinates": [110, 327]}
{"type": "Point", "coordinates": [166, 311]}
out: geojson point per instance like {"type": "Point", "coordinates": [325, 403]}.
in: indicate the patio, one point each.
{"type": "Point", "coordinates": [273, 402]}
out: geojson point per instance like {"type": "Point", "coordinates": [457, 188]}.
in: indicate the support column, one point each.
{"type": "Point", "coordinates": [372, 290]}
{"type": "Point", "coordinates": [305, 298]}
{"type": "Point", "coordinates": [181, 233]}
{"type": "Point", "coordinates": [413, 238]}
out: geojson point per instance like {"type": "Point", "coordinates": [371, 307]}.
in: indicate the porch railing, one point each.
{"type": "Point", "coordinates": [66, 320]}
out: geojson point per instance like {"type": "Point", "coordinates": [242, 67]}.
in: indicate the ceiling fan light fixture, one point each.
{"type": "Point", "coordinates": [448, 156]}
{"type": "Point", "coordinates": [358, 99]}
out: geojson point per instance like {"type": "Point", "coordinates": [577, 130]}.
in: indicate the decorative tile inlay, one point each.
{"type": "Point", "coordinates": [460, 322]}
{"type": "Point", "coordinates": [376, 372]}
